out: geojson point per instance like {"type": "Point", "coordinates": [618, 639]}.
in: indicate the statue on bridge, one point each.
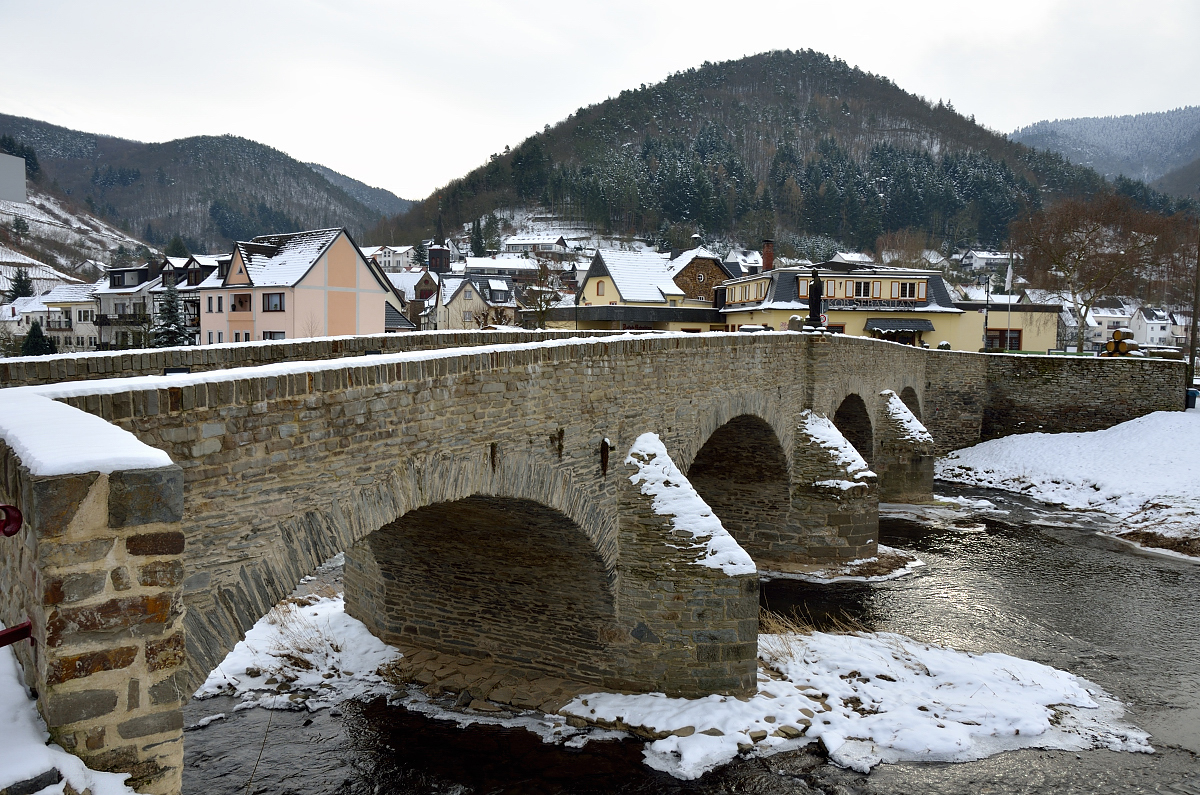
{"type": "Point", "coordinates": [815, 292]}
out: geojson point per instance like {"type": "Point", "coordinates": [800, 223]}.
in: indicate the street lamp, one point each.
{"type": "Point", "coordinates": [987, 300]}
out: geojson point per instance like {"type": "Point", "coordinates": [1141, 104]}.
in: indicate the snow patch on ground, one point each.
{"type": "Point", "coordinates": [845, 572]}
{"type": "Point", "coordinates": [307, 653]}
{"type": "Point", "coordinates": [869, 697]}
{"type": "Point", "coordinates": [674, 496]}
{"type": "Point", "coordinates": [26, 751]}
{"type": "Point", "coordinates": [1144, 472]}
{"type": "Point", "coordinates": [876, 697]}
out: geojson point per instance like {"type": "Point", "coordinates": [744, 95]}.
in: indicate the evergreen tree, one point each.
{"type": "Point", "coordinates": [491, 232]}
{"type": "Point", "coordinates": [171, 329]}
{"type": "Point", "coordinates": [20, 226]}
{"type": "Point", "coordinates": [36, 343]}
{"type": "Point", "coordinates": [176, 248]}
{"type": "Point", "coordinates": [478, 249]}
{"type": "Point", "coordinates": [420, 255]}
{"type": "Point", "coordinates": [22, 286]}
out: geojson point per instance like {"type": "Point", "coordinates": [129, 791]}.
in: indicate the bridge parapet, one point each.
{"type": "Point", "coordinates": [98, 571]}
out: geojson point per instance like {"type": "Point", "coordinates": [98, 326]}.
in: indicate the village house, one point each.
{"type": "Point", "coordinates": [1152, 327]}
{"type": "Point", "coordinates": [71, 317]}
{"type": "Point", "coordinates": [392, 259]}
{"type": "Point", "coordinates": [645, 290]}
{"type": "Point", "coordinates": [476, 301]}
{"type": "Point", "coordinates": [546, 245]}
{"type": "Point", "coordinates": [305, 284]}
{"type": "Point", "coordinates": [124, 305]}
{"type": "Point", "coordinates": [19, 316]}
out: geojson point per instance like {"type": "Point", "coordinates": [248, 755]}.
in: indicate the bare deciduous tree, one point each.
{"type": "Point", "coordinates": [1086, 249]}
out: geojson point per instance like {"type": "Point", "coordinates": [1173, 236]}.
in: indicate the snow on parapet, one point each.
{"type": "Point", "coordinates": [914, 431]}
{"type": "Point", "coordinates": [52, 438]}
{"type": "Point", "coordinates": [672, 495]}
{"type": "Point", "coordinates": [825, 433]}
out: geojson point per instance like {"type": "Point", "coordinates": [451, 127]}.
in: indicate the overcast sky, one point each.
{"type": "Point", "coordinates": [408, 95]}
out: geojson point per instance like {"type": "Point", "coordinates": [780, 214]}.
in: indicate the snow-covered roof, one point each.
{"type": "Point", "coordinates": [853, 258]}
{"type": "Point", "coordinates": [282, 260]}
{"type": "Point", "coordinates": [497, 284]}
{"type": "Point", "coordinates": [532, 240]}
{"type": "Point", "coordinates": [496, 263]}
{"type": "Point", "coordinates": [406, 281]}
{"type": "Point", "coordinates": [70, 294]}
{"type": "Point", "coordinates": [1152, 315]}
{"type": "Point", "coordinates": [683, 260]}
{"type": "Point", "coordinates": [450, 286]}
{"type": "Point", "coordinates": [23, 306]}
{"type": "Point", "coordinates": [639, 276]}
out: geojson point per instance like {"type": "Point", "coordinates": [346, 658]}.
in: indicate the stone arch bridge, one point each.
{"type": "Point", "coordinates": [485, 500]}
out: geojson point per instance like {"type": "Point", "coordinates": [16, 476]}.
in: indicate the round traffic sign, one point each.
{"type": "Point", "coordinates": [824, 319]}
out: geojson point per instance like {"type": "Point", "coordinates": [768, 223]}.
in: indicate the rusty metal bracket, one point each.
{"type": "Point", "coordinates": [10, 520]}
{"type": "Point", "coordinates": [14, 634]}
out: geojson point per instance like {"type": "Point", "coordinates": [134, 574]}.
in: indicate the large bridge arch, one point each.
{"type": "Point", "coordinates": [308, 539]}
{"type": "Point", "coordinates": [510, 582]}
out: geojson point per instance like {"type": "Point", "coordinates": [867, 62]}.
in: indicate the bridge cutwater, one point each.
{"type": "Point", "coordinates": [482, 488]}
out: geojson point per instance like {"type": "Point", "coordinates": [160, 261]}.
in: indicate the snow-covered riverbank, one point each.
{"type": "Point", "coordinates": [868, 697]}
{"type": "Point", "coordinates": [1145, 473]}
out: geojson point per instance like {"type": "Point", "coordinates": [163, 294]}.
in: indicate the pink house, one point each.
{"type": "Point", "coordinates": [304, 284]}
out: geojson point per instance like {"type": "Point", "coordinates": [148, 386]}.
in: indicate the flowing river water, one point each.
{"type": "Point", "coordinates": [1023, 579]}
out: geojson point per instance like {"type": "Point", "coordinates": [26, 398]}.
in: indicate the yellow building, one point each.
{"type": "Point", "coordinates": [909, 306]}
{"type": "Point", "coordinates": [645, 290]}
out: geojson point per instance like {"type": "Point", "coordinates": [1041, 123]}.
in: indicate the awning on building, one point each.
{"type": "Point", "coordinates": [899, 324]}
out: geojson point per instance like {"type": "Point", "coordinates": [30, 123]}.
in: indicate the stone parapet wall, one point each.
{"type": "Point", "coordinates": [1055, 394]}
{"type": "Point", "coordinates": [98, 570]}
{"type": "Point", "coordinates": [32, 370]}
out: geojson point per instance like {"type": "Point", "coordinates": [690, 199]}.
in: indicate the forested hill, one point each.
{"type": "Point", "coordinates": [1145, 146]}
{"type": "Point", "coordinates": [209, 189]}
{"type": "Point", "coordinates": [790, 144]}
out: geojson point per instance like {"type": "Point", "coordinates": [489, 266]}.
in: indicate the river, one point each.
{"type": "Point", "coordinates": [1023, 579]}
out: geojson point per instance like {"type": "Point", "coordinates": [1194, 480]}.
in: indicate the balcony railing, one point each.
{"type": "Point", "coordinates": [60, 323]}
{"type": "Point", "coordinates": [138, 319]}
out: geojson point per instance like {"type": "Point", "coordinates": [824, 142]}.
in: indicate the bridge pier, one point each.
{"type": "Point", "coordinates": [515, 585]}
{"type": "Point", "coordinates": [834, 495]}
{"type": "Point", "coordinates": [905, 456]}
{"type": "Point", "coordinates": [98, 570]}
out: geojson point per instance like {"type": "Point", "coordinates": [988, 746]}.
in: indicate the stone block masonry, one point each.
{"type": "Point", "coordinates": [98, 570]}
{"type": "Point", "coordinates": [25, 371]}
{"type": "Point", "coordinates": [275, 473]}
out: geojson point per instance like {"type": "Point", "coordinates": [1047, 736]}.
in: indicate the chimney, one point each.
{"type": "Point", "coordinates": [768, 254]}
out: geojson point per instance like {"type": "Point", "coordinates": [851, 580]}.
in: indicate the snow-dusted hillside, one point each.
{"type": "Point", "coordinates": [62, 237]}
{"type": "Point", "coordinates": [1144, 146]}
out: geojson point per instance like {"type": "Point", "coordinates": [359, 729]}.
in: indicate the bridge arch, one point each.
{"type": "Point", "coordinates": [307, 539]}
{"type": "Point", "coordinates": [505, 580]}
{"type": "Point", "coordinates": [909, 397]}
{"type": "Point", "coordinates": [742, 472]}
{"type": "Point", "coordinates": [854, 421]}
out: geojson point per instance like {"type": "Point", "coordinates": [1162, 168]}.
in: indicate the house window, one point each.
{"type": "Point", "coordinates": [273, 335]}
{"type": "Point", "coordinates": [210, 303]}
{"type": "Point", "coordinates": [467, 316]}
{"type": "Point", "coordinates": [272, 302]}
{"type": "Point", "coordinates": [239, 302]}
{"type": "Point", "coordinates": [862, 289]}
{"type": "Point", "coordinates": [803, 288]}
{"type": "Point", "coordinates": [467, 294]}
{"type": "Point", "coordinates": [220, 303]}
{"type": "Point", "coordinates": [237, 336]}
{"type": "Point", "coordinates": [220, 336]}
{"type": "Point", "coordinates": [210, 338]}
{"type": "Point", "coordinates": [600, 287]}
{"type": "Point", "coordinates": [700, 279]}
{"type": "Point", "coordinates": [673, 302]}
